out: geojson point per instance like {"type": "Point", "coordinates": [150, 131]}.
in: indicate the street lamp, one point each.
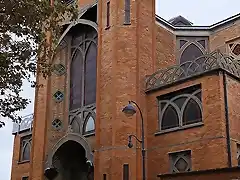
{"type": "Point", "coordinates": [130, 110]}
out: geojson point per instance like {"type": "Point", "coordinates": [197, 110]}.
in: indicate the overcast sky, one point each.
{"type": "Point", "coordinates": [200, 12]}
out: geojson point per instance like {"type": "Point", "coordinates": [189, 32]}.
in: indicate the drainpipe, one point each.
{"type": "Point", "coordinates": [227, 120]}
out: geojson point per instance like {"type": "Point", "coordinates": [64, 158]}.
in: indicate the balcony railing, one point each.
{"type": "Point", "coordinates": [24, 125]}
{"type": "Point", "coordinates": [203, 64]}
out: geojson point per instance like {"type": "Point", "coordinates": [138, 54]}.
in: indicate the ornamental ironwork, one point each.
{"type": "Point", "coordinates": [206, 63]}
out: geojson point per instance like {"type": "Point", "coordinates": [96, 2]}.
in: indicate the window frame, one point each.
{"type": "Point", "coordinates": [127, 12]}
{"type": "Point", "coordinates": [190, 40]}
{"type": "Point", "coordinates": [171, 97]}
{"type": "Point", "coordinates": [108, 15]}
{"type": "Point", "coordinates": [93, 41]}
{"type": "Point", "coordinates": [22, 137]}
{"type": "Point", "coordinates": [180, 154]}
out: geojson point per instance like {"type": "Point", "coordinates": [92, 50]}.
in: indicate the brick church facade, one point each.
{"type": "Point", "coordinates": [185, 79]}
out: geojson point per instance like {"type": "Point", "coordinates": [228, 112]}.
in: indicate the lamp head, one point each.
{"type": "Point", "coordinates": [129, 110]}
{"type": "Point", "coordinates": [130, 144]}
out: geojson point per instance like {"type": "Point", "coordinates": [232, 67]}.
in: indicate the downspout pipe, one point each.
{"type": "Point", "coordinates": [229, 153]}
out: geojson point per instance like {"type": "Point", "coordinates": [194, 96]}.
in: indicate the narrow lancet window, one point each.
{"type": "Point", "coordinates": [127, 13]}
{"type": "Point", "coordinates": [108, 15]}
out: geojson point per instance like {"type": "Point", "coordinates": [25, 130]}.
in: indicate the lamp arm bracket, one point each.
{"type": "Point", "coordinates": [132, 135]}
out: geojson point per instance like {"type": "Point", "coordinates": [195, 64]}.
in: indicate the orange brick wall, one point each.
{"type": "Point", "coordinates": [218, 174]}
{"type": "Point", "coordinates": [207, 142]}
{"type": "Point", "coordinates": [125, 56]}
{"type": "Point", "coordinates": [83, 3]}
{"type": "Point", "coordinates": [19, 170]}
{"type": "Point", "coordinates": [165, 48]}
{"type": "Point", "coordinates": [233, 88]}
{"type": "Point", "coordinates": [220, 37]}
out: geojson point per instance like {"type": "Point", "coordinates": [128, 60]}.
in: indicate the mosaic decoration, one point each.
{"type": "Point", "coordinates": [58, 96]}
{"type": "Point", "coordinates": [59, 69]}
{"type": "Point", "coordinates": [57, 124]}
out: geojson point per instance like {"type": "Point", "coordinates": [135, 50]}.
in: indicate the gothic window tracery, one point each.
{"type": "Point", "coordinates": [180, 109]}
{"type": "Point", "coordinates": [89, 125]}
{"type": "Point", "coordinates": [190, 48]}
{"type": "Point", "coordinates": [234, 49]}
{"type": "Point", "coordinates": [25, 152]}
{"type": "Point", "coordinates": [83, 68]}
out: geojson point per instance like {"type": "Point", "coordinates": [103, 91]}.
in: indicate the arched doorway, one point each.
{"type": "Point", "coordinates": [70, 159]}
{"type": "Point", "coordinates": [71, 163]}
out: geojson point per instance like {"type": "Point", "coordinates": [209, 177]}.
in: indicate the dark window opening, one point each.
{"type": "Point", "coordinates": [104, 177]}
{"type": "Point", "coordinates": [180, 108]}
{"type": "Point", "coordinates": [203, 43]}
{"type": "Point", "coordinates": [83, 67]}
{"type": "Point", "coordinates": [125, 172]}
{"type": "Point", "coordinates": [91, 14]}
{"type": "Point", "coordinates": [25, 150]}
{"type": "Point", "coordinates": [190, 53]}
{"type": "Point", "coordinates": [127, 12]}
{"type": "Point", "coordinates": [170, 117]}
{"type": "Point", "coordinates": [182, 42]}
{"type": "Point", "coordinates": [192, 113]}
{"type": "Point", "coordinates": [25, 178]}
{"type": "Point", "coordinates": [108, 14]}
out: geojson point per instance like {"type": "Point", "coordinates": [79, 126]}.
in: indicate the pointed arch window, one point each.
{"type": "Point", "coordinates": [83, 67]}
{"type": "Point", "coordinates": [190, 48]}
{"type": "Point", "coordinates": [89, 125]}
{"type": "Point", "coordinates": [25, 149]}
{"type": "Point", "coordinates": [190, 53]}
{"type": "Point", "coordinates": [180, 109]}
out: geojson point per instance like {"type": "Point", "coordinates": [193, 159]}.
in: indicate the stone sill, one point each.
{"type": "Point", "coordinates": [23, 162]}
{"type": "Point", "coordinates": [89, 134]}
{"type": "Point", "coordinates": [179, 128]}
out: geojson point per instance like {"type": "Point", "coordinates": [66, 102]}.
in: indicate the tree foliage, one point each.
{"type": "Point", "coordinates": [25, 48]}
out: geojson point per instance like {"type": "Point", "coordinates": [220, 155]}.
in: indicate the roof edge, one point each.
{"type": "Point", "coordinates": [210, 27]}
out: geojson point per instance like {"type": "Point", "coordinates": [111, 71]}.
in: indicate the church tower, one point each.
{"type": "Point", "coordinates": [125, 56]}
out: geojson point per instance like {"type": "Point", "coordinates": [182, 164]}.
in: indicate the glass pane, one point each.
{"type": "Point", "coordinates": [181, 165]}
{"type": "Point", "coordinates": [26, 152]}
{"type": "Point", "coordinates": [170, 118]}
{"type": "Point", "coordinates": [190, 53]}
{"type": "Point", "coordinates": [199, 96]}
{"type": "Point", "coordinates": [75, 125]}
{"type": "Point", "coordinates": [179, 102]}
{"type": "Point", "coordinates": [203, 43]}
{"type": "Point", "coordinates": [192, 113]}
{"type": "Point", "coordinates": [90, 126]}
{"type": "Point", "coordinates": [90, 75]}
{"type": "Point", "coordinates": [76, 81]}
{"type": "Point", "coordinates": [182, 42]}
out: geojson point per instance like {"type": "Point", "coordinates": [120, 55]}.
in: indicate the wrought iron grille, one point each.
{"type": "Point", "coordinates": [201, 65]}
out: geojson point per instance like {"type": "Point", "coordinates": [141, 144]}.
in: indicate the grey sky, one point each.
{"type": "Point", "coordinates": [200, 12]}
